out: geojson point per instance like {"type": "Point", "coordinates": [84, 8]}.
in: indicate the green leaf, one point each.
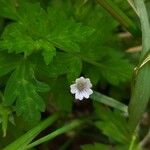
{"type": "Point", "coordinates": [49, 51]}
{"type": "Point", "coordinates": [57, 67]}
{"type": "Point", "coordinates": [120, 71]}
{"type": "Point", "coordinates": [110, 65]}
{"type": "Point", "coordinates": [62, 99]}
{"type": "Point", "coordinates": [7, 63]}
{"type": "Point", "coordinates": [120, 16]}
{"type": "Point", "coordinates": [93, 73]}
{"type": "Point", "coordinates": [62, 64]}
{"type": "Point", "coordinates": [25, 139]}
{"type": "Point", "coordinates": [95, 146]}
{"type": "Point", "coordinates": [31, 33]}
{"type": "Point", "coordinates": [131, 2]}
{"type": "Point", "coordinates": [102, 51]}
{"type": "Point", "coordinates": [141, 90]}
{"type": "Point", "coordinates": [67, 34]}
{"type": "Point", "coordinates": [74, 69]}
{"type": "Point", "coordinates": [5, 114]}
{"type": "Point", "coordinates": [113, 124]}
{"type": "Point", "coordinates": [14, 39]}
{"type": "Point", "coordinates": [59, 131]}
{"type": "Point", "coordinates": [8, 9]}
{"type": "Point", "coordinates": [109, 101]}
{"type": "Point", "coordinates": [22, 91]}
{"type": "Point", "coordinates": [148, 6]}
{"type": "Point", "coordinates": [41, 86]}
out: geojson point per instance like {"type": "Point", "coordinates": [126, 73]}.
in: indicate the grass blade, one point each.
{"type": "Point", "coordinates": [131, 2]}
{"type": "Point", "coordinates": [120, 16]}
{"type": "Point", "coordinates": [57, 132]}
{"type": "Point", "coordinates": [141, 90]}
{"type": "Point", "coordinates": [24, 140]}
{"type": "Point", "coordinates": [109, 101]}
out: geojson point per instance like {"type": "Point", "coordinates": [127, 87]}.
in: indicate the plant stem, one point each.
{"type": "Point", "coordinates": [120, 16]}
{"type": "Point", "coordinates": [57, 132]}
{"type": "Point", "coordinates": [131, 147]}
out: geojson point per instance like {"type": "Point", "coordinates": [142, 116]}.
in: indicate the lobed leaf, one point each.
{"type": "Point", "coordinates": [113, 124]}
{"type": "Point", "coordinates": [61, 99]}
{"type": "Point", "coordinates": [36, 30]}
{"type": "Point", "coordinates": [63, 63]}
{"type": "Point", "coordinates": [8, 9]}
{"type": "Point", "coordinates": [8, 63]}
{"type": "Point", "coordinates": [22, 91]}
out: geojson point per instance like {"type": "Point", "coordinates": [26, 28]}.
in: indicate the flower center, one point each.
{"type": "Point", "coordinates": [81, 86]}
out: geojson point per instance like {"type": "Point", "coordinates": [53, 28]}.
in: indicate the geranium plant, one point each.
{"type": "Point", "coordinates": [74, 74]}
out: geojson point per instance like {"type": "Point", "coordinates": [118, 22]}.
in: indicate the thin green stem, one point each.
{"type": "Point", "coordinates": [57, 132]}
{"type": "Point", "coordinates": [132, 144]}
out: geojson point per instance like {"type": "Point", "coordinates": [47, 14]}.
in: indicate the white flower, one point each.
{"type": "Point", "coordinates": [81, 88]}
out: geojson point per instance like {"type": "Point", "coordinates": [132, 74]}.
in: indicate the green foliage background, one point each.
{"type": "Point", "coordinates": [44, 46]}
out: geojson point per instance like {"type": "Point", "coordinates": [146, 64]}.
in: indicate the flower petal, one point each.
{"type": "Point", "coordinates": [85, 94]}
{"type": "Point", "coordinates": [81, 79]}
{"type": "Point", "coordinates": [79, 95]}
{"type": "Point", "coordinates": [89, 91]}
{"type": "Point", "coordinates": [88, 82]}
{"type": "Point", "coordinates": [73, 88]}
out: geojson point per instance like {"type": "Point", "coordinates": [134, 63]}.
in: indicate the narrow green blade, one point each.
{"type": "Point", "coordinates": [109, 101]}
{"type": "Point", "coordinates": [24, 140]}
{"type": "Point", "coordinates": [141, 90]}
{"type": "Point", "coordinates": [59, 131]}
{"type": "Point", "coordinates": [120, 16]}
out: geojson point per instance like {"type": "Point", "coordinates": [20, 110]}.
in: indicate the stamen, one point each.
{"type": "Point", "coordinates": [81, 86]}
